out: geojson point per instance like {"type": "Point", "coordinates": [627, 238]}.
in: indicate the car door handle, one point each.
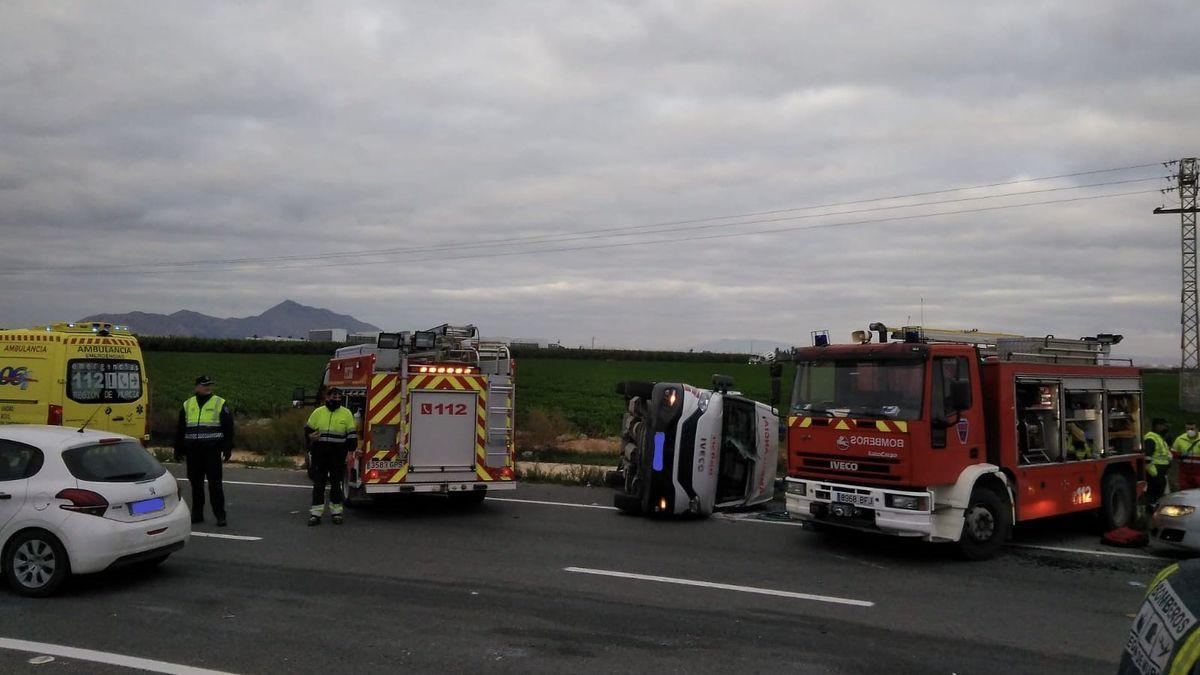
{"type": "Point", "coordinates": [5, 495]}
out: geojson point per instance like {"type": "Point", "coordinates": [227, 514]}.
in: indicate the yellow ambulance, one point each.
{"type": "Point", "coordinates": [75, 374]}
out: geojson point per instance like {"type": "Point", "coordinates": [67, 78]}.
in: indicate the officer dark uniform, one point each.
{"type": "Point", "coordinates": [1164, 636]}
{"type": "Point", "coordinates": [332, 432]}
{"type": "Point", "coordinates": [204, 435]}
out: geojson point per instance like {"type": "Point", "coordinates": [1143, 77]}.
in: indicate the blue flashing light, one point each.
{"type": "Point", "coordinates": [660, 439]}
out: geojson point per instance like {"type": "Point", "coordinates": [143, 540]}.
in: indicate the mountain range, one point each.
{"type": "Point", "coordinates": [287, 319]}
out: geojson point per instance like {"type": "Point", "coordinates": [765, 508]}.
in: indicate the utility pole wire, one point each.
{"type": "Point", "coordinates": [679, 226]}
{"type": "Point", "coordinates": [722, 235]}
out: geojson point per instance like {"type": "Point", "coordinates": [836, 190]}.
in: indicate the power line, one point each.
{"type": "Point", "coordinates": [635, 230]}
{"type": "Point", "coordinates": [613, 231]}
{"type": "Point", "coordinates": [721, 235]}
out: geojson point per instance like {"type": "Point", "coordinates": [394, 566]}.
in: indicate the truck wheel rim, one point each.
{"type": "Point", "coordinates": [980, 523]}
{"type": "Point", "coordinates": [34, 563]}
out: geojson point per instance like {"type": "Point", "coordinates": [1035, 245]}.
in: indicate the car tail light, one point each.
{"type": "Point", "coordinates": [507, 473]}
{"type": "Point", "coordinates": [83, 501]}
{"type": "Point", "coordinates": [54, 416]}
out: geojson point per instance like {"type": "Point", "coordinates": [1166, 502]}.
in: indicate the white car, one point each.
{"type": "Point", "coordinates": [1177, 520]}
{"type": "Point", "coordinates": [74, 502]}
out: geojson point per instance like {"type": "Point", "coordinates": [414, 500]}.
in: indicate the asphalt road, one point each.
{"type": "Point", "coordinates": [518, 586]}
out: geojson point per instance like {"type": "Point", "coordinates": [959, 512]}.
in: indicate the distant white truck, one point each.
{"type": "Point", "coordinates": [687, 450]}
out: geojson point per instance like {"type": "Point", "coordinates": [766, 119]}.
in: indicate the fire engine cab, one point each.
{"type": "Point", "coordinates": [957, 435]}
{"type": "Point", "coordinates": [437, 413]}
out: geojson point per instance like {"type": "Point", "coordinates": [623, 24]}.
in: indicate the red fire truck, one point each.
{"type": "Point", "coordinates": [957, 435]}
{"type": "Point", "coordinates": [437, 413]}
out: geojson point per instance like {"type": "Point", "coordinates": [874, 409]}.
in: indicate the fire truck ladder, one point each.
{"type": "Point", "coordinates": [1013, 347]}
{"type": "Point", "coordinates": [494, 359]}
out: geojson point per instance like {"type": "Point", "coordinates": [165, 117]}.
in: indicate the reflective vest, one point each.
{"type": "Point", "coordinates": [336, 426]}
{"type": "Point", "coordinates": [1080, 450]}
{"type": "Point", "coordinates": [1161, 455]}
{"type": "Point", "coordinates": [203, 424]}
{"type": "Point", "coordinates": [1164, 637]}
{"type": "Point", "coordinates": [1186, 447]}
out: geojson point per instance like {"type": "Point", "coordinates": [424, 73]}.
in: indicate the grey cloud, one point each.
{"type": "Point", "coordinates": [180, 131]}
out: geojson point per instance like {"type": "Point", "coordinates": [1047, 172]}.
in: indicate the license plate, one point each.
{"type": "Point", "coordinates": [857, 500]}
{"type": "Point", "coordinates": [147, 506]}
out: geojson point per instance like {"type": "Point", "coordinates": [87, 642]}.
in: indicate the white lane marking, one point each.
{"type": "Point", "coordinates": [546, 503]}
{"type": "Point", "coordinates": [724, 587]}
{"type": "Point", "coordinates": [731, 518]}
{"type": "Point", "coordinates": [105, 657]}
{"type": "Point", "coordinates": [1113, 554]}
{"type": "Point", "coordinates": [235, 537]}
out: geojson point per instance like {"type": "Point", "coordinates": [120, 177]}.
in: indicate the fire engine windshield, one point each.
{"type": "Point", "coordinates": [883, 389]}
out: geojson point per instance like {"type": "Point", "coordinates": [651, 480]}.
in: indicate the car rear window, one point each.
{"type": "Point", "coordinates": [121, 462]}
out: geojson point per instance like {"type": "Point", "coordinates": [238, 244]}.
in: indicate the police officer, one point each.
{"type": "Point", "coordinates": [1154, 445]}
{"type": "Point", "coordinates": [1186, 451]}
{"type": "Point", "coordinates": [204, 435]}
{"type": "Point", "coordinates": [332, 432]}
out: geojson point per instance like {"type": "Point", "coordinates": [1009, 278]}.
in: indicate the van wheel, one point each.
{"type": "Point", "coordinates": [1116, 505]}
{"type": "Point", "coordinates": [987, 523]}
{"type": "Point", "coordinates": [35, 563]}
{"type": "Point", "coordinates": [637, 389]}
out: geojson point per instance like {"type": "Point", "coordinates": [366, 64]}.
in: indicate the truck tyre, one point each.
{"type": "Point", "coordinates": [1116, 502]}
{"type": "Point", "coordinates": [987, 522]}
{"type": "Point", "coordinates": [468, 497]}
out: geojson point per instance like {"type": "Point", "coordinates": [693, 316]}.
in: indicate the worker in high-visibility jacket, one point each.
{"type": "Point", "coordinates": [1079, 446]}
{"type": "Point", "coordinates": [1154, 445]}
{"type": "Point", "coordinates": [1186, 452]}
{"type": "Point", "coordinates": [332, 433]}
{"type": "Point", "coordinates": [204, 437]}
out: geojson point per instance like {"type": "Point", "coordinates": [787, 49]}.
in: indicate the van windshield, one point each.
{"type": "Point", "coordinates": [884, 389]}
{"type": "Point", "coordinates": [104, 380]}
{"type": "Point", "coordinates": [121, 462]}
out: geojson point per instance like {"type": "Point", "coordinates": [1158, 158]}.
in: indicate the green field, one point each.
{"type": "Point", "coordinates": [581, 391]}
{"type": "Point", "coordinates": [258, 385]}
{"type": "Point", "coordinates": [261, 385]}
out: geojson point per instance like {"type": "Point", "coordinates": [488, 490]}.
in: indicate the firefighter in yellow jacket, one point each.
{"type": "Point", "coordinates": [332, 433]}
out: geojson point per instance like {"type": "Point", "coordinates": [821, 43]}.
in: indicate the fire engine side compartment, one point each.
{"type": "Point", "coordinates": [1058, 487]}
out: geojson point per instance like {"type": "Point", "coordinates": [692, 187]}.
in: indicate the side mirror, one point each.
{"type": "Point", "coordinates": [776, 375]}
{"type": "Point", "coordinates": [960, 394]}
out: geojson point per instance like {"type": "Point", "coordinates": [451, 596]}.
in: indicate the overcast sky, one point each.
{"type": "Point", "coordinates": [135, 133]}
